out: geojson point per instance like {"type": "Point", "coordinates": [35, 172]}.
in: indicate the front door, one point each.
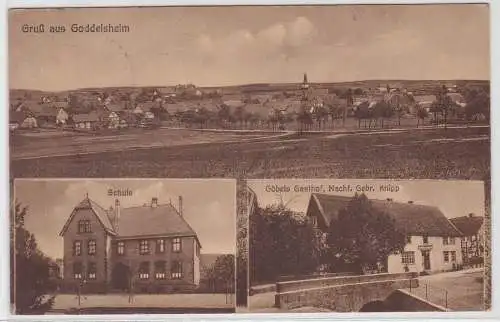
{"type": "Point", "coordinates": [427, 260]}
{"type": "Point", "coordinates": [121, 277]}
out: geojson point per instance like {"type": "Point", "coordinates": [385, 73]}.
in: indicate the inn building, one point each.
{"type": "Point", "coordinates": [432, 242]}
{"type": "Point", "coordinates": [149, 248]}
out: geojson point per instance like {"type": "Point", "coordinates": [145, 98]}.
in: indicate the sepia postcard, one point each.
{"type": "Point", "coordinates": [366, 245]}
{"type": "Point", "coordinates": [123, 246]}
{"type": "Point", "coordinates": [244, 92]}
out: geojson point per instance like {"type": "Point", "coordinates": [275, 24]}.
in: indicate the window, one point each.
{"type": "Point", "coordinates": [77, 248]}
{"type": "Point", "coordinates": [425, 239]}
{"type": "Point", "coordinates": [91, 247]}
{"type": "Point", "coordinates": [448, 241]}
{"type": "Point", "coordinates": [176, 269]}
{"type": "Point", "coordinates": [84, 226]}
{"type": "Point", "coordinates": [92, 270]}
{"type": "Point", "coordinates": [453, 256]}
{"type": "Point", "coordinates": [77, 270]}
{"type": "Point", "coordinates": [120, 248]}
{"type": "Point", "coordinates": [160, 246]}
{"type": "Point", "coordinates": [408, 239]}
{"type": "Point", "coordinates": [314, 221]}
{"type": "Point", "coordinates": [144, 270]}
{"type": "Point", "coordinates": [446, 257]}
{"type": "Point", "coordinates": [408, 258]}
{"type": "Point", "coordinates": [144, 247]}
{"type": "Point", "coordinates": [176, 245]}
{"type": "Point", "coordinates": [160, 270]}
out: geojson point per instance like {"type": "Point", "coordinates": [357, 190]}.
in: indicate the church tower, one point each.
{"type": "Point", "coordinates": [305, 83]}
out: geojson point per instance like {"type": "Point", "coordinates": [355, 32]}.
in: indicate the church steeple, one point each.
{"type": "Point", "coordinates": [305, 82]}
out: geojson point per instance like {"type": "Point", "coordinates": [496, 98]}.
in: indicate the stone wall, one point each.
{"type": "Point", "coordinates": [346, 294]}
{"type": "Point", "coordinates": [338, 280]}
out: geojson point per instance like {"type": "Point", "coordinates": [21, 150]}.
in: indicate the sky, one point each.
{"type": "Point", "coordinates": [209, 206]}
{"type": "Point", "coordinates": [219, 46]}
{"type": "Point", "coordinates": [454, 198]}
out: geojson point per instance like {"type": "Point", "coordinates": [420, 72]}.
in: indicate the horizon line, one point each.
{"type": "Point", "coordinates": [251, 84]}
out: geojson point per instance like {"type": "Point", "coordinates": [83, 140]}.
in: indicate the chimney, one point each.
{"type": "Point", "coordinates": [410, 201]}
{"type": "Point", "coordinates": [154, 202]}
{"type": "Point", "coordinates": [117, 214]}
{"type": "Point", "coordinates": [180, 206]}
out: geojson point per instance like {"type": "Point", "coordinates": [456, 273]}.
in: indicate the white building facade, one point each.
{"type": "Point", "coordinates": [427, 254]}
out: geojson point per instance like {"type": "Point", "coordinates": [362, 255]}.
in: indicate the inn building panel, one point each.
{"type": "Point", "coordinates": [433, 244]}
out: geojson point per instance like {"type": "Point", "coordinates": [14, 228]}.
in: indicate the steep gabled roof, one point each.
{"type": "Point", "coordinates": [162, 220]}
{"type": "Point", "coordinates": [413, 219]}
{"type": "Point", "coordinates": [424, 98]}
{"type": "Point", "coordinates": [468, 225]}
{"type": "Point", "coordinates": [100, 213]}
{"type": "Point", "coordinates": [90, 117]}
{"type": "Point", "coordinates": [16, 117]}
{"type": "Point", "coordinates": [43, 110]}
{"type": "Point", "coordinates": [143, 221]}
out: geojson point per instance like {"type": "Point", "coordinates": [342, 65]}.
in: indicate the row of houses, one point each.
{"type": "Point", "coordinates": [433, 243]}
{"type": "Point", "coordinates": [111, 116]}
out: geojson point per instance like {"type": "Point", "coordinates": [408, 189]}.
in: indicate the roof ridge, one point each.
{"type": "Point", "coordinates": [146, 206]}
{"type": "Point", "coordinates": [374, 199]}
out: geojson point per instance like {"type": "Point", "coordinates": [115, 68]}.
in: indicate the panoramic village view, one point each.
{"type": "Point", "coordinates": [347, 91]}
{"type": "Point", "coordinates": [318, 246]}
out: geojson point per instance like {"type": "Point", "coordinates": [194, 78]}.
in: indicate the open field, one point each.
{"type": "Point", "coordinates": [56, 142]}
{"type": "Point", "coordinates": [459, 153]}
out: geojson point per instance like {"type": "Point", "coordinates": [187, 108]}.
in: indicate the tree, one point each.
{"type": "Point", "coordinates": [362, 112]}
{"type": "Point", "coordinates": [221, 274]}
{"type": "Point", "coordinates": [350, 102]}
{"type": "Point", "coordinates": [31, 282]}
{"type": "Point", "coordinates": [304, 119]}
{"type": "Point", "coordinates": [224, 114]}
{"type": "Point", "coordinates": [382, 110]}
{"type": "Point", "coordinates": [282, 242]}
{"type": "Point", "coordinates": [422, 114]}
{"type": "Point", "coordinates": [478, 104]}
{"type": "Point", "coordinates": [362, 237]}
{"type": "Point", "coordinates": [239, 115]}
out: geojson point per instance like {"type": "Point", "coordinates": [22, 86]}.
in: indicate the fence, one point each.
{"type": "Point", "coordinates": [431, 293]}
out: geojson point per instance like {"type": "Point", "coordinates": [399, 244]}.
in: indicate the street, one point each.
{"type": "Point", "coordinates": [68, 301]}
{"type": "Point", "coordinates": [458, 291]}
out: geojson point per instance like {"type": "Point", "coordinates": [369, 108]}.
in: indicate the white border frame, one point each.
{"type": "Point", "coordinates": [494, 314]}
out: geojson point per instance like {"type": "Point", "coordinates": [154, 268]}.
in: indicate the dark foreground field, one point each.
{"type": "Point", "coordinates": [462, 153]}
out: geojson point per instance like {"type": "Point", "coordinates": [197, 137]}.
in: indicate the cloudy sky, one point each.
{"type": "Point", "coordinates": [239, 45]}
{"type": "Point", "coordinates": [209, 206]}
{"type": "Point", "coordinates": [454, 198]}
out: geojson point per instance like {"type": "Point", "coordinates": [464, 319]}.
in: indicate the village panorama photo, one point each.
{"type": "Point", "coordinates": [116, 246]}
{"type": "Point", "coordinates": [366, 245]}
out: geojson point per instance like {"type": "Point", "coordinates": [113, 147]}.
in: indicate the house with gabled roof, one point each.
{"type": "Point", "coordinates": [86, 121]}
{"type": "Point", "coordinates": [149, 248]}
{"type": "Point", "coordinates": [472, 242]}
{"type": "Point", "coordinates": [432, 242]}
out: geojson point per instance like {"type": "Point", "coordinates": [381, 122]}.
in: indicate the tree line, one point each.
{"type": "Point", "coordinates": [285, 242]}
